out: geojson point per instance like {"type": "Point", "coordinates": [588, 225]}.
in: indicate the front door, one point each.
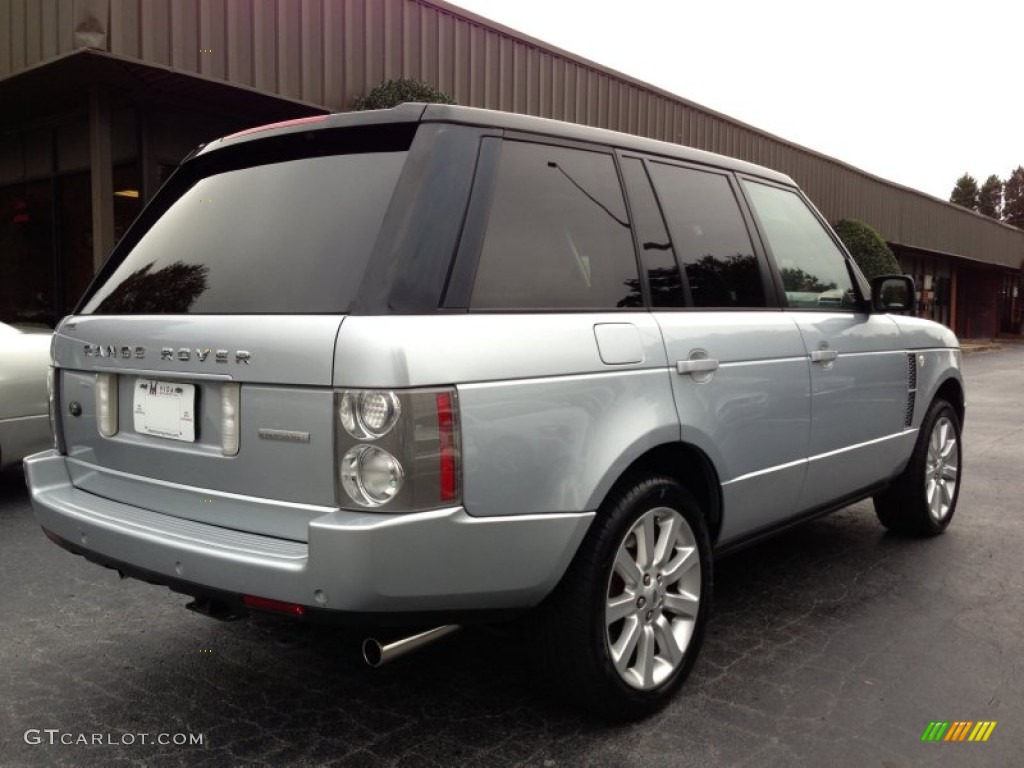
{"type": "Point", "coordinates": [859, 370]}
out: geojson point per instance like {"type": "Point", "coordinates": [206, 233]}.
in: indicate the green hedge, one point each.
{"type": "Point", "coordinates": [395, 92]}
{"type": "Point", "coordinates": [868, 248]}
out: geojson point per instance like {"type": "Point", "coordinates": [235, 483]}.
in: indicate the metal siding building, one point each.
{"type": "Point", "coordinates": [145, 78]}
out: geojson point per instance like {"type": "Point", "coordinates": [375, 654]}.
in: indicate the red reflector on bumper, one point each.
{"type": "Point", "coordinates": [52, 536]}
{"type": "Point", "coordinates": [277, 606]}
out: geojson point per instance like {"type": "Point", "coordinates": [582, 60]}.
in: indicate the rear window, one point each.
{"type": "Point", "coordinates": [289, 237]}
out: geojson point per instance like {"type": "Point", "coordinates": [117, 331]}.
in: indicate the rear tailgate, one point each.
{"type": "Point", "coordinates": [229, 289]}
{"type": "Point", "coordinates": [282, 474]}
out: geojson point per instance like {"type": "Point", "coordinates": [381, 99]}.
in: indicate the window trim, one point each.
{"type": "Point", "coordinates": [412, 263]}
{"type": "Point", "coordinates": [645, 287]}
{"type": "Point", "coordinates": [459, 288]}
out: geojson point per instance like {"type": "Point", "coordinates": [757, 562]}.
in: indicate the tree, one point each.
{"type": "Point", "coordinates": [965, 193]}
{"type": "Point", "coordinates": [1013, 198]}
{"type": "Point", "coordinates": [868, 248]}
{"type": "Point", "coordinates": [395, 92]}
{"type": "Point", "coordinates": [990, 199]}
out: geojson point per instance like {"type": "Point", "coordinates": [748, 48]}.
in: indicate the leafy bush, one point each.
{"type": "Point", "coordinates": [395, 92]}
{"type": "Point", "coordinates": [869, 250]}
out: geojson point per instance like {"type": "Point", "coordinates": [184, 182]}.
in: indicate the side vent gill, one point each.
{"type": "Point", "coordinates": [908, 418]}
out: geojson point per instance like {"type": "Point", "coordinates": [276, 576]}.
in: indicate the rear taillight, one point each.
{"type": "Point", "coordinates": [397, 450]}
{"type": "Point", "coordinates": [371, 476]}
{"type": "Point", "coordinates": [53, 406]}
{"type": "Point", "coordinates": [51, 403]}
{"type": "Point", "coordinates": [229, 399]}
{"type": "Point", "coordinates": [369, 415]}
{"type": "Point", "coordinates": [106, 403]}
{"type": "Point", "coordinates": [448, 464]}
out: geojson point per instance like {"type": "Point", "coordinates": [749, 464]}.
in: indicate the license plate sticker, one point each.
{"type": "Point", "coordinates": [165, 409]}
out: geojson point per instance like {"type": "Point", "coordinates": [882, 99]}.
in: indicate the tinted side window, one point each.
{"type": "Point", "coordinates": [656, 254]}
{"type": "Point", "coordinates": [813, 269]}
{"type": "Point", "coordinates": [557, 234]}
{"type": "Point", "coordinates": [709, 236]}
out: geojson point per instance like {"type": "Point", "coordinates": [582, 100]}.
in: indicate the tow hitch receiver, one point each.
{"type": "Point", "coordinates": [217, 609]}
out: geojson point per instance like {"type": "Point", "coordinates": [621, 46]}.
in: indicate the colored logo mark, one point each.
{"type": "Point", "coordinates": [959, 730]}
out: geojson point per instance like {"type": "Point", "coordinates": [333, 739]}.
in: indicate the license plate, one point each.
{"type": "Point", "coordinates": [165, 409]}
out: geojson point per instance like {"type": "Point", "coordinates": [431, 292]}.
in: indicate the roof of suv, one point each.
{"type": "Point", "coordinates": [487, 118]}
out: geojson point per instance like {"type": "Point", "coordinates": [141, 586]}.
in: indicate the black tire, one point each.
{"type": "Point", "coordinates": [575, 636]}
{"type": "Point", "coordinates": [922, 500]}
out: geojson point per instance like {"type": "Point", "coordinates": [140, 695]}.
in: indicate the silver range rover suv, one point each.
{"type": "Point", "coordinates": [436, 365]}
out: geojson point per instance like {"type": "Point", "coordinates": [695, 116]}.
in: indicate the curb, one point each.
{"type": "Point", "coordinates": [973, 349]}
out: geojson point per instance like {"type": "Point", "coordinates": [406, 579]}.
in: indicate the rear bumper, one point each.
{"type": "Point", "coordinates": [443, 561]}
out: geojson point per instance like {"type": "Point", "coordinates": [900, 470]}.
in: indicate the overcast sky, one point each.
{"type": "Point", "coordinates": [915, 92]}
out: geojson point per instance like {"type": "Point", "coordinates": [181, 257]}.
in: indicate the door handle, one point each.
{"type": "Point", "coordinates": [700, 365]}
{"type": "Point", "coordinates": [824, 356]}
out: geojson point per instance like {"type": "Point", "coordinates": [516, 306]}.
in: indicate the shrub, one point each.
{"type": "Point", "coordinates": [869, 250]}
{"type": "Point", "coordinates": [394, 92]}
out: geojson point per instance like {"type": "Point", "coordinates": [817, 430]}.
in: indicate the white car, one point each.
{"type": "Point", "coordinates": [24, 362]}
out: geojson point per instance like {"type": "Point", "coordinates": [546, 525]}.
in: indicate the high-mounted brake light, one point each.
{"type": "Point", "coordinates": [272, 126]}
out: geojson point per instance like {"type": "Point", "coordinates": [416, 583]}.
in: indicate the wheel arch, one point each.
{"type": "Point", "coordinates": [689, 466]}
{"type": "Point", "coordinates": [952, 391]}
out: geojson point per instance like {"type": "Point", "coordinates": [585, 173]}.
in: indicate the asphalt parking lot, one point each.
{"type": "Point", "coordinates": [835, 644]}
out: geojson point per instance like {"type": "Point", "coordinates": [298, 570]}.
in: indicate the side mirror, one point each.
{"type": "Point", "coordinates": [893, 293]}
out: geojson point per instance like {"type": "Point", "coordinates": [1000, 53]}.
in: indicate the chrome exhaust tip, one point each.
{"type": "Point", "coordinates": [377, 654]}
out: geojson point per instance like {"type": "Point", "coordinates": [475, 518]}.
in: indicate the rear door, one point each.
{"type": "Point", "coordinates": [859, 371]}
{"type": "Point", "coordinates": [561, 369]}
{"type": "Point", "coordinates": [739, 372]}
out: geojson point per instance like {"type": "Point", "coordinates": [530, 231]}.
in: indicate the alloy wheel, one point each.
{"type": "Point", "coordinates": [653, 598]}
{"type": "Point", "coordinates": [942, 469]}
